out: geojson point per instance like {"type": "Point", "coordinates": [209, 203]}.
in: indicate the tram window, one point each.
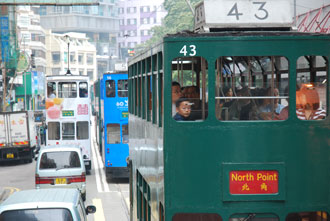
{"type": "Point", "coordinates": [53, 130]}
{"type": "Point", "coordinates": [189, 82]}
{"type": "Point", "coordinates": [110, 88]}
{"type": "Point", "coordinates": [308, 216]}
{"type": "Point", "coordinates": [51, 89]}
{"type": "Point", "coordinates": [122, 88]}
{"type": "Point", "coordinates": [82, 130]}
{"type": "Point", "coordinates": [67, 90]}
{"type": "Point", "coordinates": [113, 133]}
{"type": "Point", "coordinates": [83, 89]}
{"type": "Point", "coordinates": [251, 88]}
{"type": "Point", "coordinates": [125, 133]}
{"type": "Point", "coordinates": [311, 88]}
{"type": "Point", "coordinates": [196, 217]}
{"type": "Point", "coordinates": [68, 132]}
{"type": "Point", "coordinates": [254, 217]}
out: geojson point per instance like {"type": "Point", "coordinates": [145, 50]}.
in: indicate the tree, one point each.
{"type": "Point", "coordinates": [179, 18]}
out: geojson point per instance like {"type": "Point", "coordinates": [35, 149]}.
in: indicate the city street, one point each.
{"type": "Point", "coordinates": [110, 199]}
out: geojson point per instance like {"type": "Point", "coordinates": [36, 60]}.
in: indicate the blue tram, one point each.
{"type": "Point", "coordinates": [114, 124]}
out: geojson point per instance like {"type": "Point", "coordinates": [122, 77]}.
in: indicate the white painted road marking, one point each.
{"type": "Point", "coordinates": [99, 214]}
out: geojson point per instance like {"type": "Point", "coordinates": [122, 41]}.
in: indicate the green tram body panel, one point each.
{"type": "Point", "coordinates": [186, 165]}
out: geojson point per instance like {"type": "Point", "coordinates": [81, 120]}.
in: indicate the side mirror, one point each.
{"type": "Point", "coordinates": [85, 157]}
{"type": "Point", "coordinates": [90, 209]}
{"type": "Point", "coordinates": [36, 158]}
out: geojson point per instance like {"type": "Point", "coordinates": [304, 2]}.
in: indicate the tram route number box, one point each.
{"type": "Point", "coordinates": [230, 14]}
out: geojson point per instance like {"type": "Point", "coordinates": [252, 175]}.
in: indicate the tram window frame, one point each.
{"type": "Point", "coordinates": [122, 88]}
{"type": "Point", "coordinates": [67, 89]}
{"type": "Point", "coordinates": [82, 128]}
{"type": "Point", "coordinates": [149, 97]}
{"type": "Point", "coordinates": [52, 126]}
{"type": "Point", "coordinates": [51, 90]}
{"type": "Point", "coordinates": [65, 134]}
{"type": "Point", "coordinates": [251, 87]}
{"type": "Point", "coordinates": [125, 133]}
{"type": "Point", "coordinates": [110, 88]}
{"type": "Point", "coordinates": [191, 72]}
{"type": "Point", "coordinates": [83, 89]}
{"type": "Point", "coordinates": [113, 134]}
{"type": "Point", "coordinates": [311, 92]}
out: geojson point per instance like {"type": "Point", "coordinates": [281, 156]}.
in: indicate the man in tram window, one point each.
{"type": "Point", "coordinates": [176, 94]}
{"type": "Point", "coordinates": [183, 109]}
{"type": "Point", "coordinates": [308, 103]}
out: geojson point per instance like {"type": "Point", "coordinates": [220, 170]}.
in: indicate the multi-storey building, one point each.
{"type": "Point", "coordinates": [31, 36]}
{"type": "Point", "coordinates": [137, 17]}
{"type": "Point", "coordinates": [99, 23]}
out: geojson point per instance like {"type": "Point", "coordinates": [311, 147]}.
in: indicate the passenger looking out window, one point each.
{"type": "Point", "coordinates": [183, 109]}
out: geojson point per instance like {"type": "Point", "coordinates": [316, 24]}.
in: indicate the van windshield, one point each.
{"type": "Point", "coordinates": [56, 214]}
{"type": "Point", "coordinates": [60, 160]}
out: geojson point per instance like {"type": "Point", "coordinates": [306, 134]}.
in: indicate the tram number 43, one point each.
{"type": "Point", "coordinates": [191, 50]}
{"type": "Point", "coordinates": [261, 15]}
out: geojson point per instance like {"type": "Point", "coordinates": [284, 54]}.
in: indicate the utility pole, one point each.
{"type": "Point", "coordinates": [4, 86]}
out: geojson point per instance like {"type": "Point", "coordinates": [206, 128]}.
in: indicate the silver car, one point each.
{"type": "Point", "coordinates": [61, 167]}
{"type": "Point", "coordinates": [45, 204]}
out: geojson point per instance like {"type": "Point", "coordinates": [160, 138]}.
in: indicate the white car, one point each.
{"type": "Point", "coordinates": [45, 205]}
{"type": "Point", "coordinates": [61, 167]}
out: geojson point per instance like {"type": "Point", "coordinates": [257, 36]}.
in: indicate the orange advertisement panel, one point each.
{"type": "Point", "coordinates": [253, 182]}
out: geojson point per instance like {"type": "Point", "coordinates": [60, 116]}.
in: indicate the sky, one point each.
{"type": "Point", "coordinates": [307, 5]}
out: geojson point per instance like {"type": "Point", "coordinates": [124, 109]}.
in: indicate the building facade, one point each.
{"type": "Point", "coordinates": [137, 17]}
{"type": "Point", "coordinates": [99, 23]}
{"type": "Point", "coordinates": [70, 51]}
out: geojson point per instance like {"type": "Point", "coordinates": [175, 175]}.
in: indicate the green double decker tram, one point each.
{"type": "Point", "coordinates": [231, 125]}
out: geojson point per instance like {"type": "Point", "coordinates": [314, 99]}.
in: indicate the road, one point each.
{"type": "Point", "coordinates": [110, 199]}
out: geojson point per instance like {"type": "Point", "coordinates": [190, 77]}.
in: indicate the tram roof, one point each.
{"type": "Point", "coordinates": [220, 33]}
{"type": "Point", "coordinates": [67, 77]}
{"type": "Point", "coordinates": [242, 32]}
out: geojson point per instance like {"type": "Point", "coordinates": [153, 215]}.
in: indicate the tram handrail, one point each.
{"type": "Point", "coordinates": [257, 97]}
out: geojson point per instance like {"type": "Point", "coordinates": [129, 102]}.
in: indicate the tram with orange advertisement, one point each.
{"type": "Point", "coordinates": [252, 143]}
{"type": "Point", "coordinates": [68, 113]}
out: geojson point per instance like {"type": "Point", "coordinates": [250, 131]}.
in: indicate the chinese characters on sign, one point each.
{"type": "Point", "coordinates": [253, 182]}
{"type": "Point", "coordinates": [82, 109]}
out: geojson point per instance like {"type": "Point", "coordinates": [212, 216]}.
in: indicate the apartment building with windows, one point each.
{"type": "Point", "coordinates": [31, 36]}
{"type": "Point", "coordinates": [137, 17]}
{"type": "Point", "coordinates": [100, 23]}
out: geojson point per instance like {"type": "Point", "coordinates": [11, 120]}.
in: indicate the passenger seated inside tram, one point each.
{"type": "Point", "coordinates": [308, 103]}
{"type": "Point", "coordinates": [226, 103]}
{"type": "Point", "coordinates": [183, 109]}
{"type": "Point", "coordinates": [269, 109]}
{"type": "Point", "coordinates": [243, 109]}
{"type": "Point", "coordinates": [176, 94]}
{"type": "Point", "coordinates": [192, 93]}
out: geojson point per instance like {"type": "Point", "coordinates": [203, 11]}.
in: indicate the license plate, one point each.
{"type": "Point", "coordinates": [60, 181]}
{"type": "Point", "coordinates": [10, 155]}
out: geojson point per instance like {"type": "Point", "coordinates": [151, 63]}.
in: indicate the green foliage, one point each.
{"type": "Point", "coordinates": [179, 18]}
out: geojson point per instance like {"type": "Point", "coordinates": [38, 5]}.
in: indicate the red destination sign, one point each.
{"type": "Point", "coordinates": [253, 182]}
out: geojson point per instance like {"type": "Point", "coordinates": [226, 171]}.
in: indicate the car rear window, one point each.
{"type": "Point", "coordinates": [37, 214]}
{"type": "Point", "coordinates": [60, 160]}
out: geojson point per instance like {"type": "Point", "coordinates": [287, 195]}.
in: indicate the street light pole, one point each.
{"type": "Point", "coordinates": [67, 39]}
